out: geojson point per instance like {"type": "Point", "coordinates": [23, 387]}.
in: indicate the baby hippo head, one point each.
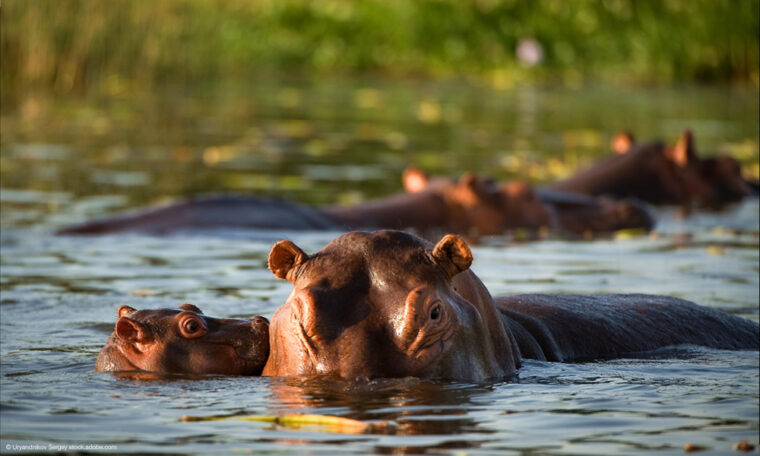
{"type": "Point", "coordinates": [378, 304]}
{"type": "Point", "coordinates": [183, 340]}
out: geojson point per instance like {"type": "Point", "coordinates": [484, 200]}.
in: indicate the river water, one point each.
{"type": "Point", "coordinates": [68, 160]}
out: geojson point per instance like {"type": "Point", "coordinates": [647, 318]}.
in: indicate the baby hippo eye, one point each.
{"type": "Point", "coordinates": [435, 313]}
{"type": "Point", "coordinates": [192, 327]}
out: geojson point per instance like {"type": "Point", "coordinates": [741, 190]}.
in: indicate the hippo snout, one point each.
{"type": "Point", "coordinates": [259, 322]}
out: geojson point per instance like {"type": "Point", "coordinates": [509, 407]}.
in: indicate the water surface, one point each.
{"type": "Point", "coordinates": [64, 161]}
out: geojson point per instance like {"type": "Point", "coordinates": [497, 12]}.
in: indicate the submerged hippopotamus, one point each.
{"type": "Point", "coordinates": [183, 340]}
{"type": "Point", "coordinates": [388, 304]}
{"type": "Point", "coordinates": [489, 207]}
{"type": "Point", "coordinates": [660, 174]}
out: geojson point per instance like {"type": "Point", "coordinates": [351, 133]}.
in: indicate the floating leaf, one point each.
{"type": "Point", "coordinates": [629, 233]}
{"type": "Point", "coordinates": [335, 424]}
{"type": "Point", "coordinates": [716, 250]}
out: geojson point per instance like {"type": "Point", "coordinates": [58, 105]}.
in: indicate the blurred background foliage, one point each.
{"type": "Point", "coordinates": [75, 46]}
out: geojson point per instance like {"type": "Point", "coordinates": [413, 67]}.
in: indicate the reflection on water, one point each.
{"type": "Point", "coordinates": [59, 295]}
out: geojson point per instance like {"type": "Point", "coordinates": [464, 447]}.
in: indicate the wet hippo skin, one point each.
{"type": "Point", "coordinates": [388, 304]}
{"type": "Point", "coordinates": [659, 174]}
{"type": "Point", "coordinates": [183, 340]}
{"type": "Point", "coordinates": [560, 327]}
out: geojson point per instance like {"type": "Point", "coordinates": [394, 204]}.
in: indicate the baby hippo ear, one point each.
{"type": "Point", "coordinates": [130, 330]}
{"type": "Point", "coordinates": [125, 311]}
{"type": "Point", "coordinates": [452, 254]}
{"type": "Point", "coordinates": [190, 307]}
{"type": "Point", "coordinates": [283, 257]}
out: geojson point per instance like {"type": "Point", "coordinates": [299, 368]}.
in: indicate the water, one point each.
{"type": "Point", "coordinates": [65, 161]}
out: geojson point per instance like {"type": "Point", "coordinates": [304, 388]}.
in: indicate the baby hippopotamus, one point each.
{"type": "Point", "coordinates": [184, 341]}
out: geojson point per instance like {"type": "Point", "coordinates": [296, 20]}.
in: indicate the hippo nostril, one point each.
{"type": "Point", "coordinates": [259, 321]}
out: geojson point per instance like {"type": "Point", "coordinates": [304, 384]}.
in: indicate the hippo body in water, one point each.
{"type": "Point", "coordinates": [470, 206]}
{"type": "Point", "coordinates": [659, 174]}
{"type": "Point", "coordinates": [388, 304]}
{"type": "Point", "coordinates": [562, 327]}
{"type": "Point", "coordinates": [183, 340]}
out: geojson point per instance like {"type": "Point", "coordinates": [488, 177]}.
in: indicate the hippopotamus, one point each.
{"type": "Point", "coordinates": [183, 340]}
{"type": "Point", "coordinates": [389, 304]}
{"type": "Point", "coordinates": [510, 205]}
{"type": "Point", "coordinates": [659, 174]}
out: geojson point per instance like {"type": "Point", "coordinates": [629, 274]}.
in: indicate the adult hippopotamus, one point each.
{"type": "Point", "coordinates": [183, 340]}
{"type": "Point", "coordinates": [490, 207]}
{"type": "Point", "coordinates": [388, 304]}
{"type": "Point", "coordinates": [660, 174]}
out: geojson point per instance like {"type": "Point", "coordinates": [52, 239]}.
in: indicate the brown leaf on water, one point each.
{"type": "Point", "coordinates": [743, 446]}
{"type": "Point", "coordinates": [690, 447]}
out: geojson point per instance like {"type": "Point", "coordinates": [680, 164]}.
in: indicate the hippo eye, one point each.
{"type": "Point", "coordinates": [435, 313]}
{"type": "Point", "coordinates": [192, 327]}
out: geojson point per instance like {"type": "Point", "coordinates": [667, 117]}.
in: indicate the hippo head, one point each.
{"type": "Point", "coordinates": [183, 340]}
{"type": "Point", "coordinates": [481, 206]}
{"type": "Point", "coordinates": [383, 304]}
{"type": "Point", "coordinates": [723, 175]}
{"type": "Point", "coordinates": [677, 171]}
{"type": "Point", "coordinates": [711, 181]}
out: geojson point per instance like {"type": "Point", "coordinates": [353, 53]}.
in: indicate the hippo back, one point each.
{"type": "Point", "coordinates": [209, 213]}
{"type": "Point", "coordinates": [578, 327]}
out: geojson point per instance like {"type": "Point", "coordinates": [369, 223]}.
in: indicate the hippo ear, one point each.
{"type": "Point", "coordinates": [452, 254]}
{"type": "Point", "coordinates": [415, 180]}
{"type": "Point", "coordinates": [622, 142]}
{"type": "Point", "coordinates": [684, 152]}
{"type": "Point", "coordinates": [130, 330]}
{"type": "Point", "coordinates": [124, 311]}
{"type": "Point", "coordinates": [190, 307]}
{"type": "Point", "coordinates": [283, 257]}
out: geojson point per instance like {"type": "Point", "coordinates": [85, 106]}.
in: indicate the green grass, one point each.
{"type": "Point", "coordinates": [79, 45]}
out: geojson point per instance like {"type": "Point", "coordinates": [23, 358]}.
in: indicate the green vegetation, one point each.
{"type": "Point", "coordinates": [79, 45]}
